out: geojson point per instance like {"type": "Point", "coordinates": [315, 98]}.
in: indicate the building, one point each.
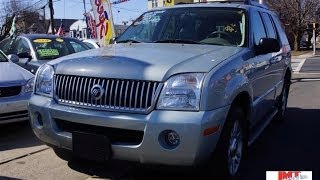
{"type": "Point", "coordinates": [161, 3]}
{"type": "Point", "coordinates": [79, 30]}
{"type": "Point", "coordinates": [66, 23]}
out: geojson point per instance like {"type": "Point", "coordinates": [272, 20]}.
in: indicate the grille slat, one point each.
{"type": "Point", "coordinates": [103, 81]}
{"type": "Point", "coordinates": [136, 96]}
{"type": "Point", "coordinates": [141, 96]}
{"type": "Point", "coordinates": [118, 94]}
{"type": "Point", "coordinates": [147, 97]}
{"type": "Point", "coordinates": [106, 93]}
{"type": "Point", "coordinates": [121, 89]}
{"type": "Point", "coordinates": [110, 95]}
{"type": "Point", "coordinates": [125, 94]}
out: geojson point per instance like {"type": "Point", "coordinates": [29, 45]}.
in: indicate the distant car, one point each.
{"type": "Point", "coordinates": [91, 43]}
{"type": "Point", "coordinates": [34, 50]}
{"type": "Point", "coordinates": [16, 86]}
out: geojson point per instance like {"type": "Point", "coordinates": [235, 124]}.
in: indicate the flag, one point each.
{"type": "Point", "coordinates": [103, 21]}
{"type": "Point", "coordinates": [61, 30]}
{"type": "Point", "coordinates": [13, 27]}
{"type": "Point", "coordinates": [91, 25]}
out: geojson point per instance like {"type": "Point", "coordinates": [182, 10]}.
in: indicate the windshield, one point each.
{"type": "Point", "coordinates": [51, 48]}
{"type": "Point", "coordinates": [3, 58]}
{"type": "Point", "coordinates": [217, 26]}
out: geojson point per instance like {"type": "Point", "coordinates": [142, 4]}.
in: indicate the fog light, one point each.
{"type": "Point", "coordinates": [169, 139]}
{"type": "Point", "coordinates": [172, 138]}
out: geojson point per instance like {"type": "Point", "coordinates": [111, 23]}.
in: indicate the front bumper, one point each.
{"type": "Point", "coordinates": [14, 109]}
{"type": "Point", "coordinates": [194, 147]}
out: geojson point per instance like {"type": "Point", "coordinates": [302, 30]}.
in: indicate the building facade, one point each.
{"type": "Point", "coordinates": [161, 3]}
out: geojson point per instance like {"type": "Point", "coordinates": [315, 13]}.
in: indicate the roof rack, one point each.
{"type": "Point", "coordinates": [247, 2]}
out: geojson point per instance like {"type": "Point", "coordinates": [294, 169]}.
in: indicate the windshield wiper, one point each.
{"type": "Point", "coordinates": [129, 41]}
{"type": "Point", "coordinates": [183, 41]}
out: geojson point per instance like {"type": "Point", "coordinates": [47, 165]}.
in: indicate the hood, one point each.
{"type": "Point", "coordinates": [144, 61]}
{"type": "Point", "coordinates": [12, 74]}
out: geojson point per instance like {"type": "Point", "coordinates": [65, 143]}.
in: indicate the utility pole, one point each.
{"type": "Point", "coordinates": [44, 18]}
{"type": "Point", "coordinates": [314, 38]}
{"type": "Point", "coordinates": [84, 6]}
{"type": "Point", "coordinates": [51, 16]}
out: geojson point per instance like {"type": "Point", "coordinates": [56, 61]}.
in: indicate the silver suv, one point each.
{"type": "Point", "coordinates": [181, 86]}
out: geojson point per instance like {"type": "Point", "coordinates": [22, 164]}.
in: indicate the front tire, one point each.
{"type": "Point", "coordinates": [283, 102]}
{"type": "Point", "coordinates": [231, 146]}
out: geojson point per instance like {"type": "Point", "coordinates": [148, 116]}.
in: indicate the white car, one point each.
{"type": "Point", "coordinates": [16, 86]}
{"type": "Point", "coordinates": [91, 43]}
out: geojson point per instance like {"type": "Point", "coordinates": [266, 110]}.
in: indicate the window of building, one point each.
{"type": "Point", "coordinates": [154, 3]}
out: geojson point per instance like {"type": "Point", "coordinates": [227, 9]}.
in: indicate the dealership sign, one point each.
{"type": "Point", "coordinates": [289, 175]}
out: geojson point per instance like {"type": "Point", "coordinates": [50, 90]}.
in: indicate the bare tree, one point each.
{"type": "Point", "coordinates": [296, 15]}
{"type": "Point", "coordinates": [26, 12]}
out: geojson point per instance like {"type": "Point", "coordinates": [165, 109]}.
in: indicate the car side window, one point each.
{"type": "Point", "coordinates": [22, 46]}
{"type": "Point", "coordinates": [269, 26]}
{"type": "Point", "coordinates": [258, 28]}
{"type": "Point", "coordinates": [282, 34]}
{"type": "Point", "coordinates": [6, 44]}
{"type": "Point", "coordinates": [77, 47]}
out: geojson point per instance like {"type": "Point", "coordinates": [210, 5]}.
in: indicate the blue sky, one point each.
{"type": "Point", "coordinates": [73, 9]}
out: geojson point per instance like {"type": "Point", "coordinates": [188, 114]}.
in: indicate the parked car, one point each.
{"type": "Point", "coordinates": [91, 43]}
{"type": "Point", "coordinates": [183, 85]}
{"type": "Point", "coordinates": [34, 50]}
{"type": "Point", "coordinates": [16, 86]}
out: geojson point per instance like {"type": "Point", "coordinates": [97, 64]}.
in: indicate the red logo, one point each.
{"type": "Point", "coordinates": [288, 175]}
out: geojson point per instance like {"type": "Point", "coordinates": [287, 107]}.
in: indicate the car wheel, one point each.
{"type": "Point", "coordinates": [283, 101]}
{"type": "Point", "coordinates": [231, 146]}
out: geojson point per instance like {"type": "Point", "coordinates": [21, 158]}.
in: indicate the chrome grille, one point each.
{"type": "Point", "coordinates": [117, 94]}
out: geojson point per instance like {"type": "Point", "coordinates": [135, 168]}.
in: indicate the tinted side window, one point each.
{"type": "Point", "coordinates": [5, 45]}
{"type": "Point", "coordinates": [280, 30]}
{"type": "Point", "coordinates": [258, 28]}
{"type": "Point", "coordinates": [77, 47]}
{"type": "Point", "coordinates": [269, 26]}
{"type": "Point", "coordinates": [22, 46]}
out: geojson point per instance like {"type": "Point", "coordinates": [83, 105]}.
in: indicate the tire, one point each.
{"type": "Point", "coordinates": [283, 102]}
{"type": "Point", "coordinates": [231, 146]}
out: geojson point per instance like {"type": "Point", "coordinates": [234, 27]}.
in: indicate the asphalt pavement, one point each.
{"type": "Point", "coordinates": [289, 145]}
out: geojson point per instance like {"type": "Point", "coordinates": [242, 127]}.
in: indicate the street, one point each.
{"type": "Point", "coordinates": [291, 145]}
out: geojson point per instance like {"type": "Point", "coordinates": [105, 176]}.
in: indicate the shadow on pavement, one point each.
{"type": "Point", "coordinates": [129, 170]}
{"type": "Point", "coordinates": [289, 145]}
{"type": "Point", "coordinates": [8, 178]}
{"type": "Point", "coordinates": [17, 135]}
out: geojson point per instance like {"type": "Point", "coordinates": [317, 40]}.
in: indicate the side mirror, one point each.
{"type": "Point", "coordinates": [25, 55]}
{"type": "Point", "coordinates": [13, 58]}
{"type": "Point", "coordinates": [113, 40]}
{"type": "Point", "coordinates": [268, 45]}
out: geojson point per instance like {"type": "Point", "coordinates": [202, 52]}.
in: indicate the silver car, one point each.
{"type": "Point", "coordinates": [182, 85]}
{"type": "Point", "coordinates": [16, 86]}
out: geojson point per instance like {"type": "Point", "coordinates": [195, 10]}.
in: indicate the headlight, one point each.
{"type": "Point", "coordinates": [44, 81]}
{"type": "Point", "coordinates": [28, 87]}
{"type": "Point", "coordinates": [181, 92]}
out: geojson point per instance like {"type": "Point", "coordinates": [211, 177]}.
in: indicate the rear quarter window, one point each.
{"type": "Point", "coordinates": [281, 32]}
